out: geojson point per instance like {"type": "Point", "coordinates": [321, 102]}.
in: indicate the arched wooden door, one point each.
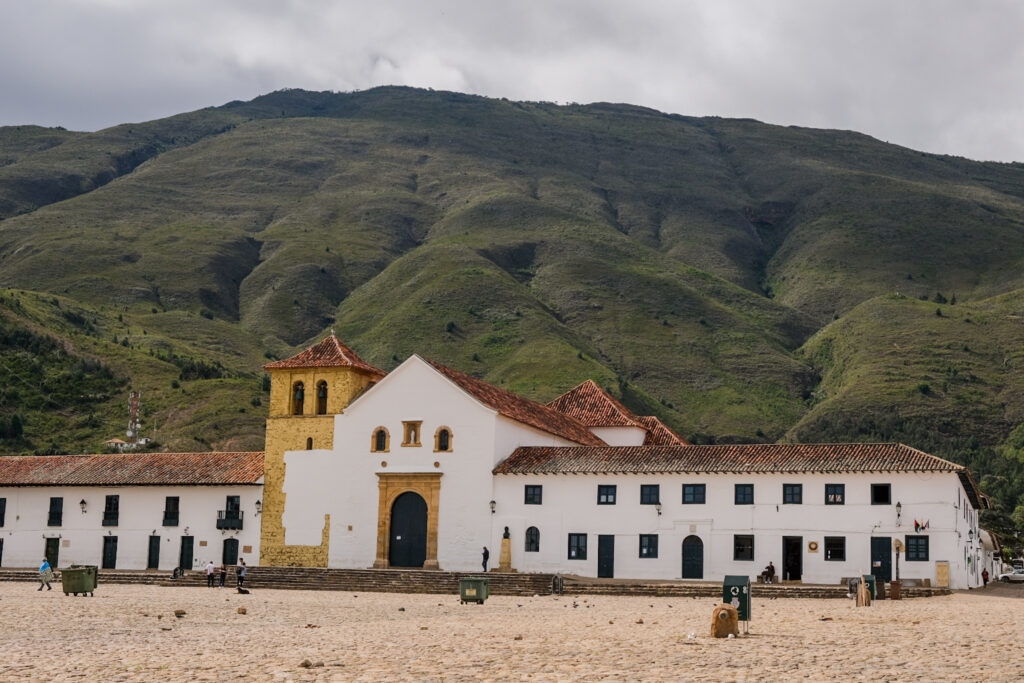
{"type": "Point", "coordinates": [693, 558]}
{"type": "Point", "coordinates": [408, 539]}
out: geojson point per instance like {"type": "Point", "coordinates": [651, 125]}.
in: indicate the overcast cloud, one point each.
{"type": "Point", "coordinates": [943, 76]}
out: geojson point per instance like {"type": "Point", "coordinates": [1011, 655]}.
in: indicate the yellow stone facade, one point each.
{"type": "Point", "coordinates": [287, 431]}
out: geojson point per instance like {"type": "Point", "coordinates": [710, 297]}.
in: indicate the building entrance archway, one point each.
{"type": "Point", "coordinates": [407, 520]}
{"type": "Point", "coordinates": [693, 558]}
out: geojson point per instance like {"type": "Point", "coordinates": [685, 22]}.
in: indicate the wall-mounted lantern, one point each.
{"type": "Point", "coordinates": [259, 506]}
{"type": "Point", "coordinates": [493, 506]}
{"type": "Point", "coordinates": [657, 506]}
{"type": "Point", "coordinates": [899, 513]}
{"type": "Point", "coordinates": [82, 505]}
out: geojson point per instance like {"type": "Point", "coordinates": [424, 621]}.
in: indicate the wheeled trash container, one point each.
{"type": "Point", "coordinates": [79, 579]}
{"type": "Point", "coordinates": [474, 589]}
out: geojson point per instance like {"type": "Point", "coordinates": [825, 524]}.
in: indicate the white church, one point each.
{"type": "Point", "coordinates": [425, 466]}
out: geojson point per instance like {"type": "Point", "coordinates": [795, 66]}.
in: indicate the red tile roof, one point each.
{"type": "Point", "coordinates": [659, 434]}
{"type": "Point", "coordinates": [132, 469]}
{"type": "Point", "coordinates": [738, 458]}
{"type": "Point", "coordinates": [594, 407]}
{"type": "Point", "coordinates": [328, 353]}
{"type": "Point", "coordinates": [521, 409]}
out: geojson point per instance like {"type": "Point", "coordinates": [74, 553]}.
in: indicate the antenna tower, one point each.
{"type": "Point", "coordinates": [133, 419]}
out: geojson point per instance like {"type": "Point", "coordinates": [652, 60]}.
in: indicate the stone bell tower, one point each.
{"type": "Point", "coordinates": [306, 392]}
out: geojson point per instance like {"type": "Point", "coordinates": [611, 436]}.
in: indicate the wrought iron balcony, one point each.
{"type": "Point", "coordinates": [229, 519]}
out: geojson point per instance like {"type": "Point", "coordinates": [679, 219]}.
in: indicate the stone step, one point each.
{"type": "Point", "coordinates": [439, 582]}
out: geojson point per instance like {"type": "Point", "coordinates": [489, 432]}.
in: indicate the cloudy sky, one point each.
{"type": "Point", "coordinates": [944, 76]}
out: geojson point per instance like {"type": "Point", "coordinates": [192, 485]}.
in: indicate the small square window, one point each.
{"type": "Point", "coordinates": [606, 494]}
{"type": "Point", "coordinates": [792, 494]}
{"type": "Point", "coordinates": [744, 494]}
{"type": "Point", "coordinates": [743, 547]}
{"type": "Point", "coordinates": [881, 494]}
{"type": "Point", "coordinates": [917, 548]}
{"type": "Point", "coordinates": [577, 546]}
{"type": "Point", "coordinates": [533, 494]}
{"type": "Point", "coordinates": [835, 494]}
{"type": "Point", "coordinates": [835, 548]}
{"type": "Point", "coordinates": [648, 545]}
{"type": "Point", "coordinates": [694, 494]}
{"type": "Point", "coordinates": [650, 494]}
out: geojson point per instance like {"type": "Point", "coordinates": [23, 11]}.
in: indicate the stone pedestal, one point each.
{"type": "Point", "coordinates": [505, 558]}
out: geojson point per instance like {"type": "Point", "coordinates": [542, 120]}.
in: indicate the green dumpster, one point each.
{"type": "Point", "coordinates": [869, 579]}
{"type": "Point", "coordinates": [473, 589]}
{"type": "Point", "coordinates": [736, 592]}
{"type": "Point", "coordinates": [79, 579]}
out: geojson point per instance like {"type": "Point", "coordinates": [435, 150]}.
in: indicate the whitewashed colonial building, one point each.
{"type": "Point", "coordinates": [428, 465]}
{"type": "Point", "coordinates": [425, 466]}
{"type": "Point", "coordinates": [130, 510]}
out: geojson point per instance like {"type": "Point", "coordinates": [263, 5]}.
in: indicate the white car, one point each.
{"type": "Point", "coordinates": [1015, 575]}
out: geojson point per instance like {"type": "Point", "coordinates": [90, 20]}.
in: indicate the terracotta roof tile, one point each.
{"type": "Point", "coordinates": [132, 469]}
{"type": "Point", "coordinates": [328, 353]}
{"type": "Point", "coordinates": [594, 407]}
{"type": "Point", "coordinates": [659, 434]}
{"type": "Point", "coordinates": [521, 409]}
{"type": "Point", "coordinates": [736, 458]}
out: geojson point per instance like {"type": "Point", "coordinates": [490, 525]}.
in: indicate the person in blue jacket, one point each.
{"type": "Point", "coordinates": [45, 575]}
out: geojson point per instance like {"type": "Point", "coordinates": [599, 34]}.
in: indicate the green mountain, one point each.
{"type": "Point", "coordinates": [744, 282]}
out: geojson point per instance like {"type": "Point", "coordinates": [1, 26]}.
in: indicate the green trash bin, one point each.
{"type": "Point", "coordinates": [869, 579]}
{"type": "Point", "coordinates": [736, 592]}
{"type": "Point", "coordinates": [473, 589]}
{"type": "Point", "coordinates": [79, 579]}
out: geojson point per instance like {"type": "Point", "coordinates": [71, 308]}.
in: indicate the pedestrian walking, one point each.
{"type": "Point", "coordinates": [209, 575]}
{"type": "Point", "coordinates": [486, 556]}
{"type": "Point", "coordinates": [240, 571]}
{"type": "Point", "coordinates": [223, 574]}
{"type": "Point", "coordinates": [45, 575]}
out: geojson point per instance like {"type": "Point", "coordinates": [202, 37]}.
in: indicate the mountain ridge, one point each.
{"type": "Point", "coordinates": [742, 281]}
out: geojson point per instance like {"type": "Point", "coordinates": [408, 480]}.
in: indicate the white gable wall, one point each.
{"type": "Point", "coordinates": [344, 482]}
{"type": "Point", "coordinates": [621, 436]}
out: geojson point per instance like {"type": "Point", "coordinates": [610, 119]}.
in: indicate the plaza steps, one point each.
{"type": "Point", "coordinates": [442, 582]}
{"type": "Point", "coordinates": [377, 580]}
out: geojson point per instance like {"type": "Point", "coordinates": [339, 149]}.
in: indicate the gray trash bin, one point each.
{"type": "Point", "coordinates": [79, 579]}
{"type": "Point", "coordinates": [474, 589]}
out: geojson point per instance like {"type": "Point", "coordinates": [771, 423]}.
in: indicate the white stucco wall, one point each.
{"type": "Point", "coordinates": [570, 506]}
{"type": "Point", "coordinates": [621, 436]}
{"type": "Point", "coordinates": [141, 514]}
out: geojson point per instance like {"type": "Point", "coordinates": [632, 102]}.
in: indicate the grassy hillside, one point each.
{"type": "Point", "coordinates": [742, 281]}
